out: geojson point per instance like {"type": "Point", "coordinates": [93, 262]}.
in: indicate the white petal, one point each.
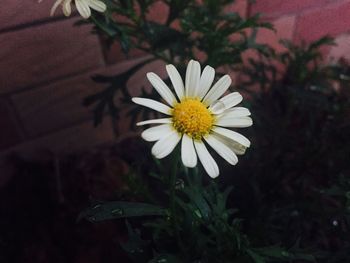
{"type": "Point", "coordinates": [156, 133]}
{"type": "Point", "coordinates": [166, 145]}
{"type": "Point", "coordinates": [235, 136]}
{"type": "Point", "coordinates": [206, 80]}
{"type": "Point", "coordinates": [97, 5]}
{"type": "Point", "coordinates": [67, 10]}
{"type": "Point", "coordinates": [161, 88]}
{"type": "Point", "coordinates": [235, 112]}
{"type": "Point", "coordinates": [154, 121]}
{"type": "Point", "coordinates": [206, 159]}
{"type": "Point", "coordinates": [217, 90]}
{"type": "Point", "coordinates": [83, 8]}
{"type": "Point", "coordinates": [217, 107]}
{"type": "Point", "coordinates": [237, 148]}
{"type": "Point", "coordinates": [241, 122]}
{"type": "Point", "coordinates": [231, 99]}
{"type": "Point", "coordinates": [193, 74]}
{"type": "Point", "coordinates": [54, 7]}
{"type": "Point", "coordinates": [223, 150]}
{"type": "Point", "coordinates": [188, 153]}
{"type": "Point", "coordinates": [176, 80]}
{"type": "Point", "coordinates": [152, 104]}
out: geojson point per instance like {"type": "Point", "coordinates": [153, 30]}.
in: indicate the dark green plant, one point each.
{"type": "Point", "coordinates": [193, 30]}
{"type": "Point", "coordinates": [300, 149]}
{"type": "Point", "coordinates": [190, 223]}
{"type": "Point", "coordinates": [290, 201]}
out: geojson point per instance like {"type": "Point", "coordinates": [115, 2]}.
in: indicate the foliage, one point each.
{"type": "Point", "coordinates": [205, 32]}
{"type": "Point", "coordinates": [291, 192]}
{"type": "Point", "coordinates": [300, 151]}
{"type": "Point", "coordinates": [197, 226]}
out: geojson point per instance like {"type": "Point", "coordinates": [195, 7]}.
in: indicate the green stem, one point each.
{"type": "Point", "coordinates": [174, 222]}
{"type": "Point", "coordinates": [172, 190]}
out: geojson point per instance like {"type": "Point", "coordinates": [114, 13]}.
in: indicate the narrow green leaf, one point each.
{"type": "Point", "coordinates": [165, 258]}
{"type": "Point", "coordinates": [114, 210]}
{"type": "Point", "coordinates": [256, 257]}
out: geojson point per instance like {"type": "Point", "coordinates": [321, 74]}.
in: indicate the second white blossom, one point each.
{"type": "Point", "coordinates": [83, 6]}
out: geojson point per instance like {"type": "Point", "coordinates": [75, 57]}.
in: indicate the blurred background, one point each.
{"type": "Point", "coordinates": [48, 142]}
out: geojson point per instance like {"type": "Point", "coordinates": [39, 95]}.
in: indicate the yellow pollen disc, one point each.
{"type": "Point", "coordinates": [193, 118]}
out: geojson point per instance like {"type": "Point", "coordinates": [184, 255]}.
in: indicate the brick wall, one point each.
{"type": "Point", "coordinates": [46, 64]}
{"type": "Point", "coordinates": [45, 73]}
{"type": "Point", "coordinates": [307, 20]}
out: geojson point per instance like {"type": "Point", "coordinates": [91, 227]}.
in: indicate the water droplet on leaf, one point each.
{"type": "Point", "coordinates": [285, 253]}
{"type": "Point", "coordinates": [117, 212]}
{"type": "Point", "coordinates": [92, 218]}
{"type": "Point", "coordinates": [180, 184]}
{"type": "Point", "coordinates": [198, 213]}
{"type": "Point", "coordinates": [96, 207]}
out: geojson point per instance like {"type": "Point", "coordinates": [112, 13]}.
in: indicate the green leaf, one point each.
{"type": "Point", "coordinates": [273, 251]}
{"type": "Point", "coordinates": [114, 210]}
{"type": "Point", "coordinates": [256, 257]}
{"type": "Point", "coordinates": [165, 258]}
{"type": "Point", "coordinates": [104, 100]}
{"type": "Point", "coordinates": [136, 247]}
{"type": "Point", "coordinates": [281, 253]}
{"type": "Point", "coordinates": [196, 197]}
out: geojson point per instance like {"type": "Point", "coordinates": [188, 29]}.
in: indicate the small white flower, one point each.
{"type": "Point", "coordinates": [196, 115]}
{"type": "Point", "coordinates": [83, 7]}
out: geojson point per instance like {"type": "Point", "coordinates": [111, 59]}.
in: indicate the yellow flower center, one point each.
{"type": "Point", "coordinates": [193, 118]}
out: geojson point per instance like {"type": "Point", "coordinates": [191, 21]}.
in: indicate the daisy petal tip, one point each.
{"type": "Point", "coordinates": [233, 162]}
{"type": "Point", "coordinates": [157, 156]}
{"type": "Point", "coordinates": [134, 100]}
{"type": "Point", "coordinates": [145, 136]}
{"type": "Point", "coordinates": [192, 164]}
{"type": "Point", "coordinates": [149, 74]}
{"type": "Point", "coordinates": [169, 66]}
{"type": "Point", "coordinates": [103, 7]}
{"type": "Point", "coordinates": [228, 78]}
{"type": "Point", "coordinates": [214, 174]}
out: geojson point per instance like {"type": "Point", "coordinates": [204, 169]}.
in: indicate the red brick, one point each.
{"type": "Point", "coordinates": [239, 6]}
{"type": "Point", "coordinates": [44, 53]}
{"type": "Point", "coordinates": [332, 20]}
{"type": "Point", "coordinates": [342, 48]}
{"type": "Point", "coordinates": [9, 134]}
{"type": "Point", "coordinates": [139, 80]}
{"type": "Point", "coordinates": [17, 12]}
{"type": "Point", "coordinates": [114, 54]}
{"type": "Point", "coordinates": [59, 105]}
{"type": "Point", "coordinates": [73, 139]}
{"type": "Point", "coordinates": [158, 12]}
{"type": "Point", "coordinates": [278, 7]}
{"type": "Point", "coordinates": [284, 27]}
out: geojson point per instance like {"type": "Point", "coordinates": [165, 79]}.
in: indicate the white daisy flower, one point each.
{"type": "Point", "coordinates": [197, 116]}
{"type": "Point", "coordinates": [83, 6]}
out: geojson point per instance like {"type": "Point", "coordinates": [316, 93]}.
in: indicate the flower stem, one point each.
{"type": "Point", "coordinates": [174, 222]}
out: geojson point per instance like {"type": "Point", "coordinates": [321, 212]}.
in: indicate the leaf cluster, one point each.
{"type": "Point", "coordinates": [300, 106]}
{"type": "Point", "coordinates": [189, 30]}
{"type": "Point", "coordinates": [195, 226]}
